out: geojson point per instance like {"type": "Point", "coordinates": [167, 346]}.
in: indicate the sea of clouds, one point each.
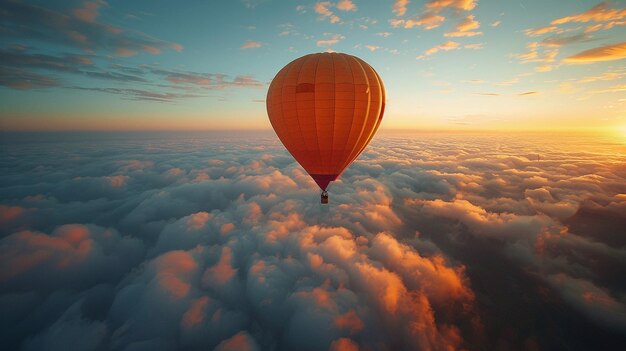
{"type": "Point", "coordinates": [217, 241]}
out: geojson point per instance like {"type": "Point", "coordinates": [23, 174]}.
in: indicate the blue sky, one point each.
{"type": "Point", "coordinates": [446, 64]}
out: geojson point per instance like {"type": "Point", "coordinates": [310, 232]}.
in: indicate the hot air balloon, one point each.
{"type": "Point", "coordinates": [325, 109]}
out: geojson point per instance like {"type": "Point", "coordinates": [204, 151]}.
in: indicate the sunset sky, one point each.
{"type": "Point", "coordinates": [446, 64]}
{"type": "Point", "coordinates": [146, 203]}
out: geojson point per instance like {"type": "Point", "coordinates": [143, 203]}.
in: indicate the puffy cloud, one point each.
{"type": "Point", "coordinates": [603, 53]}
{"type": "Point", "coordinates": [240, 342]}
{"type": "Point", "coordinates": [431, 241]}
{"type": "Point", "coordinates": [323, 9]}
{"type": "Point", "coordinates": [595, 302]}
{"type": "Point", "coordinates": [399, 7]}
{"type": "Point", "coordinates": [346, 5]}
{"type": "Point", "coordinates": [74, 255]}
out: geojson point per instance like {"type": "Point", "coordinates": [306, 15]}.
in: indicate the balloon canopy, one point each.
{"type": "Point", "coordinates": [325, 109]}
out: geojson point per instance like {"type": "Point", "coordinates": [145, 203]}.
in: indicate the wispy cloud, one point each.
{"type": "Point", "coordinates": [465, 28]}
{"type": "Point", "coordinates": [140, 94]}
{"type": "Point", "coordinates": [565, 40]}
{"type": "Point", "coordinates": [447, 46]}
{"type": "Point", "coordinates": [606, 76]}
{"type": "Point", "coordinates": [473, 46]}
{"type": "Point", "coordinates": [427, 21]}
{"type": "Point", "coordinates": [438, 5]}
{"type": "Point", "coordinates": [612, 89]}
{"type": "Point", "coordinates": [540, 31]}
{"type": "Point", "coordinates": [603, 53]}
{"type": "Point", "coordinates": [331, 39]}
{"type": "Point", "coordinates": [599, 13]}
{"type": "Point", "coordinates": [80, 30]}
{"type": "Point", "coordinates": [487, 94]}
{"type": "Point", "coordinates": [250, 44]}
{"type": "Point", "coordinates": [20, 79]}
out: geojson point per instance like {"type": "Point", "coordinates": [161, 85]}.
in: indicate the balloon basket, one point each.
{"type": "Point", "coordinates": [324, 197]}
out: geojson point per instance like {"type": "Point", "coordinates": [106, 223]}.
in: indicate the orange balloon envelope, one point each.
{"type": "Point", "coordinates": [325, 109]}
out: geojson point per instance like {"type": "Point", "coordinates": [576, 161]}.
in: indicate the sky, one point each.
{"type": "Point", "coordinates": [446, 64]}
{"type": "Point", "coordinates": [217, 241]}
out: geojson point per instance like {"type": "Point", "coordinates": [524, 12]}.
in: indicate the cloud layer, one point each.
{"type": "Point", "coordinates": [217, 241]}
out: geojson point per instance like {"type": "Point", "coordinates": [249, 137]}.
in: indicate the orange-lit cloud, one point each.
{"type": "Point", "coordinates": [466, 5]}
{"type": "Point", "coordinates": [10, 213]}
{"type": "Point", "coordinates": [241, 341]}
{"type": "Point", "coordinates": [90, 10]}
{"type": "Point", "coordinates": [604, 53]}
{"type": "Point", "coordinates": [117, 181]}
{"type": "Point", "coordinates": [349, 321]}
{"type": "Point", "coordinates": [427, 21]}
{"type": "Point", "coordinates": [540, 31]}
{"type": "Point", "coordinates": [447, 46]}
{"type": "Point", "coordinates": [195, 315]}
{"type": "Point", "coordinates": [173, 272]}
{"type": "Point", "coordinates": [332, 39]}
{"type": "Point", "coordinates": [323, 9]}
{"type": "Point", "coordinates": [198, 220]}
{"type": "Point", "coordinates": [465, 28]}
{"type": "Point", "coordinates": [346, 5]}
{"type": "Point", "coordinates": [223, 271]}
{"type": "Point", "coordinates": [399, 7]}
{"type": "Point", "coordinates": [251, 44]}
{"type": "Point", "coordinates": [344, 344]}
{"type": "Point", "coordinates": [599, 13]}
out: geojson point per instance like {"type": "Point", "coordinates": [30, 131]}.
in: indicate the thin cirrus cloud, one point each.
{"type": "Point", "coordinates": [251, 44]}
{"type": "Point", "coordinates": [427, 21]}
{"type": "Point", "coordinates": [102, 48]}
{"type": "Point", "coordinates": [80, 30]}
{"type": "Point", "coordinates": [447, 46]}
{"type": "Point", "coordinates": [602, 17]}
{"type": "Point", "coordinates": [427, 235]}
{"type": "Point", "coordinates": [331, 39]}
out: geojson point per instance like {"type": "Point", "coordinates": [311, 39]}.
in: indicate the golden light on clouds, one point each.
{"type": "Point", "coordinates": [603, 53]}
